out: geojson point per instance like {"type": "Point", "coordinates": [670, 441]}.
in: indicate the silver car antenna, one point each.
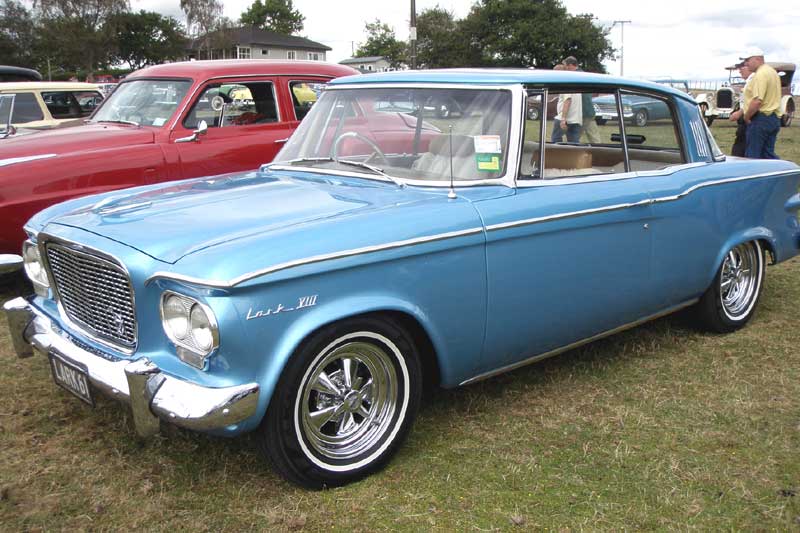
{"type": "Point", "coordinates": [452, 193]}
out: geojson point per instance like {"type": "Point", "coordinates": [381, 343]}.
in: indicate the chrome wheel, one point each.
{"type": "Point", "coordinates": [348, 400]}
{"type": "Point", "coordinates": [740, 280]}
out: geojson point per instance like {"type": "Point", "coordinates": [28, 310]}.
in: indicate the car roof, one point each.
{"type": "Point", "coordinates": [47, 85]}
{"type": "Point", "coordinates": [241, 67]}
{"type": "Point", "coordinates": [492, 76]}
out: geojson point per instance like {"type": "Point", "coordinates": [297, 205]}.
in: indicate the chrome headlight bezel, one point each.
{"type": "Point", "coordinates": [35, 269]}
{"type": "Point", "coordinates": [201, 338]}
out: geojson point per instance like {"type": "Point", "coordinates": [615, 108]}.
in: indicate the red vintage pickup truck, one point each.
{"type": "Point", "coordinates": [168, 122]}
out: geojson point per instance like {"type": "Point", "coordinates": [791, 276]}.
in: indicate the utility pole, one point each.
{"type": "Point", "coordinates": [412, 35]}
{"type": "Point", "coordinates": [621, 44]}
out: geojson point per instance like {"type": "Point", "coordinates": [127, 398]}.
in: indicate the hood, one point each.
{"type": "Point", "coordinates": [59, 141]}
{"type": "Point", "coordinates": [170, 222]}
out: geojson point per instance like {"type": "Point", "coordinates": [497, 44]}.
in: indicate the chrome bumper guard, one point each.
{"type": "Point", "coordinates": [152, 395]}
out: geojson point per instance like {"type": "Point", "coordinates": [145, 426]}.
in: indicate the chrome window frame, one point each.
{"type": "Point", "coordinates": [41, 241]}
{"type": "Point", "coordinates": [508, 179]}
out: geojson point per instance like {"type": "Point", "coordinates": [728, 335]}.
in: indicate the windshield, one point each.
{"type": "Point", "coordinates": [143, 102]}
{"type": "Point", "coordinates": [406, 133]}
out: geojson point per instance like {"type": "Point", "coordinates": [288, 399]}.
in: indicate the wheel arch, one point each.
{"type": "Point", "coordinates": [763, 235]}
{"type": "Point", "coordinates": [410, 318]}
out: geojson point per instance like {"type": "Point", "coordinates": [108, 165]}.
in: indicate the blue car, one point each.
{"type": "Point", "coordinates": [311, 300]}
{"type": "Point", "coordinates": [637, 110]}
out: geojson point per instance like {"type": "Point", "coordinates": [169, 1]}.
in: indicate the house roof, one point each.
{"type": "Point", "coordinates": [254, 35]}
{"type": "Point", "coordinates": [366, 59]}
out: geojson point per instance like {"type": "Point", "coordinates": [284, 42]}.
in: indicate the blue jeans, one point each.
{"type": "Point", "coordinates": [761, 136]}
{"type": "Point", "coordinates": [573, 132]}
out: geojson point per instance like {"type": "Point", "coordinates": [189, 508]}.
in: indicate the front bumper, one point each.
{"type": "Point", "coordinates": [152, 395]}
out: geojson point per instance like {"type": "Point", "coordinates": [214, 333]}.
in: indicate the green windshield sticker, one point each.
{"type": "Point", "coordinates": [488, 162]}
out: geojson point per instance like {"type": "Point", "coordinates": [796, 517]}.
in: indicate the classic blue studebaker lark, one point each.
{"type": "Point", "coordinates": [441, 242]}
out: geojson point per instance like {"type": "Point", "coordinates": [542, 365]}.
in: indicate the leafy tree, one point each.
{"type": "Point", "coordinates": [279, 16]}
{"type": "Point", "coordinates": [147, 38]}
{"type": "Point", "coordinates": [535, 33]}
{"type": "Point", "coordinates": [76, 31]}
{"type": "Point", "coordinates": [18, 42]}
{"type": "Point", "coordinates": [381, 41]}
{"type": "Point", "coordinates": [442, 41]}
{"type": "Point", "coordinates": [202, 18]}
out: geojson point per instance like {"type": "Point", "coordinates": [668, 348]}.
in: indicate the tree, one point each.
{"type": "Point", "coordinates": [76, 32]}
{"type": "Point", "coordinates": [535, 33]}
{"type": "Point", "coordinates": [381, 41]}
{"type": "Point", "coordinates": [202, 17]}
{"type": "Point", "coordinates": [442, 42]}
{"type": "Point", "coordinates": [18, 42]}
{"type": "Point", "coordinates": [147, 38]}
{"type": "Point", "coordinates": [279, 16]}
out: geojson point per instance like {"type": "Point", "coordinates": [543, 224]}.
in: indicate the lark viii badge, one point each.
{"type": "Point", "coordinates": [302, 303]}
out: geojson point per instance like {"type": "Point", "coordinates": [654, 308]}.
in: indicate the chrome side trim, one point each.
{"type": "Point", "coordinates": [723, 182]}
{"type": "Point", "coordinates": [25, 159]}
{"type": "Point", "coordinates": [220, 284]}
{"type": "Point", "coordinates": [571, 214]}
{"type": "Point", "coordinates": [595, 178]}
{"type": "Point", "coordinates": [551, 353]}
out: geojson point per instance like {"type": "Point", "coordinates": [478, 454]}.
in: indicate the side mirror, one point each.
{"type": "Point", "coordinates": [202, 129]}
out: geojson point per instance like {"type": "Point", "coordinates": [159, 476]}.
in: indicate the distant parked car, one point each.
{"type": "Point", "coordinates": [727, 99]}
{"type": "Point", "coordinates": [160, 123]}
{"type": "Point", "coordinates": [638, 110]}
{"type": "Point", "coordinates": [45, 104]}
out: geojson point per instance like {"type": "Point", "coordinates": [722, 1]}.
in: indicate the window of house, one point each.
{"type": "Point", "coordinates": [264, 52]}
{"type": "Point", "coordinates": [243, 52]}
{"type": "Point", "coordinates": [313, 56]}
{"type": "Point", "coordinates": [234, 104]}
{"type": "Point", "coordinates": [26, 109]}
{"type": "Point", "coordinates": [304, 95]}
{"type": "Point", "coordinates": [291, 54]}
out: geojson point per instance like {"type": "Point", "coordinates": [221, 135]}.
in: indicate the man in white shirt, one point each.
{"type": "Point", "coordinates": [740, 141]}
{"type": "Point", "coordinates": [570, 115]}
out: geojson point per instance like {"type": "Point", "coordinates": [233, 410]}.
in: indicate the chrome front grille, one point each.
{"type": "Point", "coordinates": [608, 109]}
{"type": "Point", "coordinates": [95, 294]}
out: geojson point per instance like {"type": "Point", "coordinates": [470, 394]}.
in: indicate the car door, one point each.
{"type": "Point", "coordinates": [569, 254]}
{"type": "Point", "coordinates": [246, 127]}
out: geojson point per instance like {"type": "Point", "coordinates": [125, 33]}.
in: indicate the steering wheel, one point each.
{"type": "Point", "coordinates": [376, 151]}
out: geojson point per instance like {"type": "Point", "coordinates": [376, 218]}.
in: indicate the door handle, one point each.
{"type": "Point", "coordinates": [281, 141]}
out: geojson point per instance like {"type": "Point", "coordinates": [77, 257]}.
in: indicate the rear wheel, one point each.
{"type": "Point", "coordinates": [345, 402]}
{"type": "Point", "coordinates": [730, 302]}
{"type": "Point", "coordinates": [640, 118]}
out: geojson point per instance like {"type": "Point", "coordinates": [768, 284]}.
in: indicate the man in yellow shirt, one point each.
{"type": "Point", "coordinates": [762, 102]}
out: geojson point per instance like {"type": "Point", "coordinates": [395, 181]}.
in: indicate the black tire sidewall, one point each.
{"type": "Point", "coordinates": [278, 433]}
{"type": "Point", "coordinates": [710, 307]}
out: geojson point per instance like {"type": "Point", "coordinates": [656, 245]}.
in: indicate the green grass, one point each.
{"type": "Point", "coordinates": [661, 427]}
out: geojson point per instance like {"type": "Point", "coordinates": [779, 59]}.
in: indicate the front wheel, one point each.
{"type": "Point", "coordinates": [640, 118]}
{"type": "Point", "coordinates": [344, 403]}
{"type": "Point", "coordinates": [730, 302]}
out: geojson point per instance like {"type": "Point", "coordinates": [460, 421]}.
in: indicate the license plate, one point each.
{"type": "Point", "coordinates": [724, 115]}
{"type": "Point", "coordinates": [72, 377]}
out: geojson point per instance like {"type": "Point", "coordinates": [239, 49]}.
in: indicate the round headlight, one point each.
{"type": "Point", "coordinates": [202, 332]}
{"type": "Point", "coordinates": [176, 317]}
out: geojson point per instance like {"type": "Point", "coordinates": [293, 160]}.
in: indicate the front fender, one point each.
{"type": "Point", "coordinates": [785, 102]}
{"type": "Point", "coordinates": [334, 311]}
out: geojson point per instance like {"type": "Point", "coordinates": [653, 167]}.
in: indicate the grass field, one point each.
{"type": "Point", "coordinates": [661, 427]}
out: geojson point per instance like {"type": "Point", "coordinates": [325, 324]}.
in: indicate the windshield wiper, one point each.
{"type": "Point", "coordinates": [120, 121]}
{"type": "Point", "coordinates": [358, 164]}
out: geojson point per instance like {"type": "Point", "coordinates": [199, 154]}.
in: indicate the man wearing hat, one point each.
{"type": "Point", "coordinates": [762, 102]}
{"type": "Point", "coordinates": [740, 142]}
